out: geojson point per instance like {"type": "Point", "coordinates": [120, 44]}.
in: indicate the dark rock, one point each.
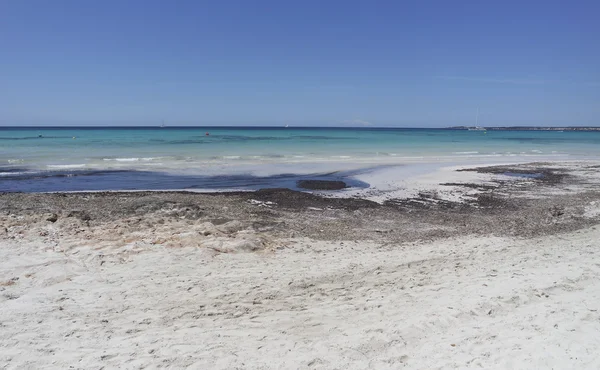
{"type": "Point", "coordinates": [53, 217]}
{"type": "Point", "coordinates": [321, 184]}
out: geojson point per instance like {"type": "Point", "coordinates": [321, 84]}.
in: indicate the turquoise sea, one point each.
{"type": "Point", "coordinates": [74, 159]}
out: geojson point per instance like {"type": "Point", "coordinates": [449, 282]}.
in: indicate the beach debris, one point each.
{"type": "Point", "coordinates": [431, 195]}
{"type": "Point", "coordinates": [321, 184]}
{"type": "Point", "coordinates": [557, 211]}
{"type": "Point", "coordinates": [82, 215]}
{"type": "Point", "coordinates": [52, 217]}
{"type": "Point", "coordinates": [262, 203]}
{"type": "Point", "coordinates": [10, 282]}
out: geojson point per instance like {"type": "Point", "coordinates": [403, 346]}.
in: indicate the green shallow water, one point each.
{"type": "Point", "coordinates": [189, 152]}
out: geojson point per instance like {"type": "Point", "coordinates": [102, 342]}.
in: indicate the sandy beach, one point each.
{"type": "Point", "coordinates": [487, 267]}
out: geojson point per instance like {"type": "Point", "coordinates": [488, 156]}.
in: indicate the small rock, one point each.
{"type": "Point", "coordinates": [52, 217]}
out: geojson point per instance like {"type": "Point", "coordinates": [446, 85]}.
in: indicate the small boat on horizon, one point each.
{"type": "Point", "coordinates": [477, 127]}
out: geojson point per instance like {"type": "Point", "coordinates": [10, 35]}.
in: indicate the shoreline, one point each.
{"type": "Point", "coordinates": [462, 267]}
{"type": "Point", "coordinates": [455, 189]}
{"type": "Point", "coordinates": [240, 178]}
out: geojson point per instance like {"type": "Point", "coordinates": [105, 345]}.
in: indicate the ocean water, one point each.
{"type": "Point", "coordinates": [77, 159]}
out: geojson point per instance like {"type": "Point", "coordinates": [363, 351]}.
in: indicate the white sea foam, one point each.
{"type": "Point", "coordinates": [65, 166]}
{"type": "Point", "coordinates": [12, 161]}
{"type": "Point", "coordinates": [465, 152]}
{"type": "Point", "coordinates": [133, 159]}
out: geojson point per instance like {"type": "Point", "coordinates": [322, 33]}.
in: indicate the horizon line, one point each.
{"type": "Point", "coordinates": [287, 127]}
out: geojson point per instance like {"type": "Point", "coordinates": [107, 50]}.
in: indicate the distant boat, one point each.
{"type": "Point", "coordinates": [286, 126]}
{"type": "Point", "coordinates": [162, 125]}
{"type": "Point", "coordinates": [477, 127]}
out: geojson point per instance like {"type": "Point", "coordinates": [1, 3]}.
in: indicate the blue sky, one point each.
{"type": "Point", "coordinates": [380, 63]}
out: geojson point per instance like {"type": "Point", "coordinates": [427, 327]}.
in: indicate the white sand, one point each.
{"type": "Point", "coordinates": [396, 182]}
{"type": "Point", "coordinates": [458, 303]}
{"type": "Point", "coordinates": [469, 302]}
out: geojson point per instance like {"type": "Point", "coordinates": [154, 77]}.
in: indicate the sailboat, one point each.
{"type": "Point", "coordinates": [477, 127]}
{"type": "Point", "coordinates": [162, 125]}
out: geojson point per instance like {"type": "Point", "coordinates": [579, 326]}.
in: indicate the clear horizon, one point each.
{"type": "Point", "coordinates": [283, 126]}
{"type": "Point", "coordinates": [269, 63]}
